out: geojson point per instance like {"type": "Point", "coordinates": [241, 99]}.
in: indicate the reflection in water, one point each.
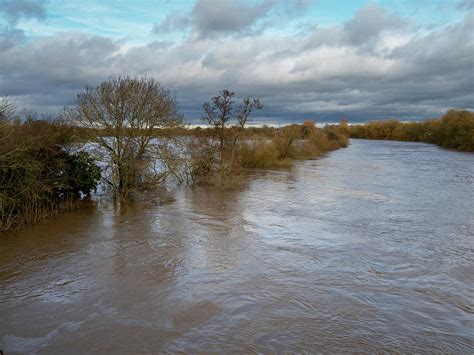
{"type": "Point", "coordinates": [370, 249]}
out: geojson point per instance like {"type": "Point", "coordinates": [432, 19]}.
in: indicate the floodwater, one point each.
{"type": "Point", "coordinates": [370, 248]}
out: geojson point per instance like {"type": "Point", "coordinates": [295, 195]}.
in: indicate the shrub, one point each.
{"type": "Point", "coordinates": [38, 177]}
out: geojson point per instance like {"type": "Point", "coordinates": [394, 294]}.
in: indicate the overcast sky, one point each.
{"type": "Point", "coordinates": [321, 60]}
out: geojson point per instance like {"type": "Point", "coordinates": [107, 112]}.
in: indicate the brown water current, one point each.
{"type": "Point", "coordinates": [370, 248]}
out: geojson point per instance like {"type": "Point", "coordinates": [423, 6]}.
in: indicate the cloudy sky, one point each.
{"type": "Point", "coordinates": [321, 59]}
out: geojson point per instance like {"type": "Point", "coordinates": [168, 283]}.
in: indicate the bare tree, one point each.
{"type": "Point", "coordinates": [7, 109]}
{"type": "Point", "coordinates": [125, 114]}
{"type": "Point", "coordinates": [220, 113]}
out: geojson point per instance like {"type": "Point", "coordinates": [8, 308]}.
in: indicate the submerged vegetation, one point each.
{"type": "Point", "coordinates": [129, 111]}
{"type": "Point", "coordinates": [220, 154]}
{"type": "Point", "coordinates": [39, 175]}
{"type": "Point", "coordinates": [455, 130]}
{"type": "Point", "coordinates": [132, 128]}
{"type": "Point", "coordinates": [292, 142]}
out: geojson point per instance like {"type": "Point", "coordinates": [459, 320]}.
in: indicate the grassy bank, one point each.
{"type": "Point", "coordinates": [455, 130]}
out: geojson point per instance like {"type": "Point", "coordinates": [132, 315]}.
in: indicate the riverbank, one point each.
{"type": "Point", "coordinates": [455, 130]}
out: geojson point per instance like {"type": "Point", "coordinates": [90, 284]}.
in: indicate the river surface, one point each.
{"type": "Point", "coordinates": [370, 248]}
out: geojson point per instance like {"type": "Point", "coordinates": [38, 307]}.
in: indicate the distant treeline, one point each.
{"type": "Point", "coordinates": [455, 130]}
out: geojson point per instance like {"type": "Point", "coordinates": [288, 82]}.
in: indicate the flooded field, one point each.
{"type": "Point", "coordinates": [370, 248]}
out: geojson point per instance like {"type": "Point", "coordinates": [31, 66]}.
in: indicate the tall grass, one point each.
{"type": "Point", "coordinates": [290, 143]}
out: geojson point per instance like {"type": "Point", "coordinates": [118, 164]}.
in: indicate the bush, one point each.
{"type": "Point", "coordinates": [261, 154]}
{"type": "Point", "coordinates": [38, 177]}
{"type": "Point", "coordinates": [292, 142]}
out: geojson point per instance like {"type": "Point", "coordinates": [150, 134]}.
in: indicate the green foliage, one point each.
{"type": "Point", "coordinates": [455, 130]}
{"type": "Point", "coordinates": [38, 177]}
{"type": "Point", "coordinates": [82, 173]}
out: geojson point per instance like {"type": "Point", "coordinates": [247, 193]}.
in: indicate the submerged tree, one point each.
{"type": "Point", "coordinates": [125, 113]}
{"type": "Point", "coordinates": [228, 123]}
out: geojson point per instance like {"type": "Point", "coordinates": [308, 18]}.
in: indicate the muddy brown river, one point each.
{"type": "Point", "coordinates": [370, 248]}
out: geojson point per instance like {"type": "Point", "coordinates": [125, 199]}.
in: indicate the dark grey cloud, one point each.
{"type": "Point", "coordinates": [10, 37]}
{"type": "Point", "coordinates": [369, 22]}
{"type": "Point", "coordinates": [16, 9]}
{"type": "Point", "coordinates": [324, 74]}
{"type": "Point", "coordinates": [49, 72]}
{"type": "Point", "coordinates": [442, 52]}
{"type": "Point", "coordinates": [210, 19]}
{"type": "Point", "coordinates": [466, 4]}
{"type": "Point", "coordinates": [227, 16]}
{"type": "Point", "coordinates": [12, 11]}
